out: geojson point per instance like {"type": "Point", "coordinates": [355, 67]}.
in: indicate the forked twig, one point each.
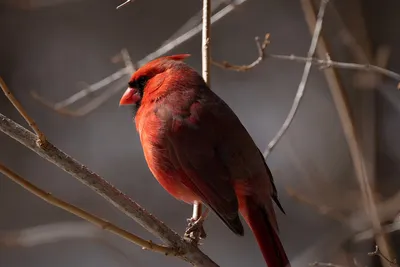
{"type": "Point", "coordinates": [322, 63]}
{"type": "Point", "coordinates": [41, 137]}
{"type": "Point", "coordinates": [49, 198]}
{"type": "Point", "coordinates": [261, 46]}
{"type": "Point", "coordinates": [378, 253]}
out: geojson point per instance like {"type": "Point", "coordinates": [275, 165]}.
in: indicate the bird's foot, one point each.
{"type": "Point", "coordinates": [195, 230]}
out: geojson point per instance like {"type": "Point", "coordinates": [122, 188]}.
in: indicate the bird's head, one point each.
{"type": "Point", "coordinates": [148, 78]}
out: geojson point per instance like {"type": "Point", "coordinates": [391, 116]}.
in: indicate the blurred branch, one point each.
{"type": "Point", "coordinates": [83, 214]}
{"type": "Point", "coordinates": [303, 82]}
{"type": "Point", "coordinates": [325, 264]}
{"type": "Point", "coordinates": [184, 249]}
{"type": "Point", "coordinates": [57, 232]}
{"type": "Point", "coordinates": [352, 24]}
{"type": "Point", "coordinates": [353, 140]}
{"type": "Point", "coordinates": [321, 208]}
{"type": "Point", "coordinates": [387, 210]}
{"type": "Point", "coordinates": [369, 234]}
{"type": "Point", "coordinates": [62, 106]}
{"type": "Point", "coordinates": [22, 111]}
{"type": "Point", "coordinates": [49, 233]}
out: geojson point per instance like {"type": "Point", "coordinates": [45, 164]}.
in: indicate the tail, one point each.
{"type": "Point", "coordinates": [267, 238]}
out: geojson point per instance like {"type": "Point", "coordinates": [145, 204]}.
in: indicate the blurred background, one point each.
{"type": "Point", "coordinates": [57, 48]}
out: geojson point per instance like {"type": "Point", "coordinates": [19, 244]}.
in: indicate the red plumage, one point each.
{"type": "Point", "coordinates": [198, 150]}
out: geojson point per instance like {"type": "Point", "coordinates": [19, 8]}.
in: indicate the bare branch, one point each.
{"type": "Point", "coordinates": [322, 63]}
{"type": "Point", "coordinates": [303, 82]}
{"type": "Point", "coordinates": [124, 3]}
{"type": "Point", "coordinates": [58, 232]}
{"type": "Point", "coordinates": [206, 40]}
{"type": "Point", "coordinates": [352, 138]}
{"type": "Point", "coordinates": [241, 68]}
{"type": "Point", "coordinates": [369, 234]}
{"type": "Point", "coordinates": [320, 207]}
{"type": "Point", "coordinates": [84, 214]}
{"type": "Point", "coordinates": [325, 264]}
{"type": "Point", "coordinates": [341, 65]}
{"type": "Point", "coordinates": [61, 107]}
{"type": "Point", "coordinates": [49, 233]}
{"type": "Point", "coordinates": [23, 112]}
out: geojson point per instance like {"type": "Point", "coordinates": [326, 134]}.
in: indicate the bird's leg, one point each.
{"type": "Point", "coordinates": [195, 229]}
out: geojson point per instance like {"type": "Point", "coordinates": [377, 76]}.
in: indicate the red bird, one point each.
{"type": "Point", "coordinates": [199, 151]}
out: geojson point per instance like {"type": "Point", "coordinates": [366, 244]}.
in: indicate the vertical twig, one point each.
{"type": "Point", "coordinates": [206, 34]}
{"type": "Point", "coordinates": [197, 207]}
{"type": "Point", "coordinates": [353, 140]}
{"type": "Point", "coordinates": [303, 82]}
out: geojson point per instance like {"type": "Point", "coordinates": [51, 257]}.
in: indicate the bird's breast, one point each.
{"type": "Point", "coordinates": [160, 156]}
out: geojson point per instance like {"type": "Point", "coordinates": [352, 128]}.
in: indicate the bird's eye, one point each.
{"type": "Point", "coordinates": [141, 82]}
{"type": "Point", "coordinates": [131, 84]}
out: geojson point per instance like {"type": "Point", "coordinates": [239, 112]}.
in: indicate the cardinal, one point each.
{"type": "Point", "coordinates": [200, 152]}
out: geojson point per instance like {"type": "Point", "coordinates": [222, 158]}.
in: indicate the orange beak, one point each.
{"type": "Point", "coordinates": [130, 97]}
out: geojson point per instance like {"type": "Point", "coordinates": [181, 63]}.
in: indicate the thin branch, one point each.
{"type": "Point", "coordinates": [61, 107]}
{"type": "Point", "coordinates": [322, 63]}
{"type": "Point", "coordinates": [206, 40]}
{"type": "Point", "coordinates": [241, 68]}
{"type": "Point", "coordinates": [325, 264]}
{"type": "Point", "coordinates": [49, 198]}
{"type": "Point", "coordinates": [369, 234]}
{"type": "Point", "coordinates": [378, 253]}
{"type": "Point", "coordinates": [387, 210]}
{"type": "Point", "coordinates": [341, 65]}
{"type": "Point", "coordinates": [352, 138]}
{"type": "Point", "coordinates": [189, 34]}
{"type": "Point", "coordinates": [303, 82]}
{"type": "Point", "coordinates": [124, 3]}
{"type": "Point", "coordinates": [49, 233]}
{"type": "Point", "coordinates": [57, 232]}
{"type": "Point", "coordinates": [321, 208]}
{"type": "Point", "coordinates": [23, 112]}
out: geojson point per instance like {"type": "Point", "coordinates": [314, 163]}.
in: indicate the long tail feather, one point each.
{"type": "Point", "coordinates": [267, 238]}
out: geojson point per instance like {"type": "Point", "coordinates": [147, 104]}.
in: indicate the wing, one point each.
{"type": "Point", "coordinates": [193, 142]}
{"type": "Point", "coordinates": [274, 194]}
